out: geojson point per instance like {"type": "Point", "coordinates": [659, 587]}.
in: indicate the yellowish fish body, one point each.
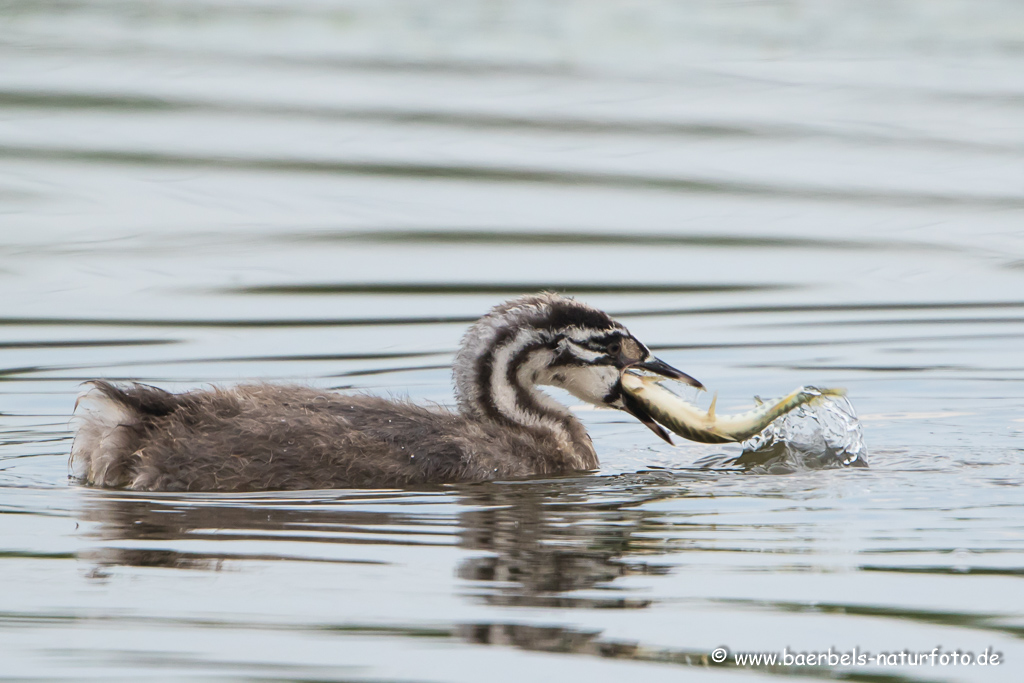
{"type": "Point", "coordinates": [690, 422]}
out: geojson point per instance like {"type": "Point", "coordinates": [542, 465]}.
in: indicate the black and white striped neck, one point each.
{"type": "Point", "coordinates": [515, 348]}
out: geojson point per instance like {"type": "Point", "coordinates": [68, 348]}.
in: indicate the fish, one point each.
{"type": "Point", "coordinates": [690, 422]}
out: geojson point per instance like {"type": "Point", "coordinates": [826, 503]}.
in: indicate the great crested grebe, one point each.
{"type": "Point", "coordinates": [264, 437]}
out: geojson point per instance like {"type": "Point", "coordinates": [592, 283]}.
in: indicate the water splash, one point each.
{"type": "Point", "coordinates": [821, 434]}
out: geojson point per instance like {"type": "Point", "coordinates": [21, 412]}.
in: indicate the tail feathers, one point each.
{"type": "Point", "coordinates": [108, 429]}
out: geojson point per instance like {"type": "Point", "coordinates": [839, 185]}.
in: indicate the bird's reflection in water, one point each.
{"type": "Point", "coordinates": [545, 540]}
{"type": "Point", "coordinates": [540, 542]}
{"type": "Point", "coordinates": [143, 530]}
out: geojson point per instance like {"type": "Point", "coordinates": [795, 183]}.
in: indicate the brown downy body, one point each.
{"type": "Point", "coordinates": [268, 437]}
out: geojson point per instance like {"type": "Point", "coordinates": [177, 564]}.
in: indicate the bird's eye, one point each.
{"type": "Point", "coordinates": [614, 348]}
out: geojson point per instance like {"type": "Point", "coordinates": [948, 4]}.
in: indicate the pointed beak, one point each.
{"type": "Point", "coordinates": [665, 370]}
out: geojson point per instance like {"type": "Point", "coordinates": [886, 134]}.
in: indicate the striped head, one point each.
{"type": "Point", "coordinates": [547, 339]}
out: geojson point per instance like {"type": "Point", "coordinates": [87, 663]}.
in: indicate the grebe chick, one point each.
{"type": "Point", "coordinates": [265, 437]}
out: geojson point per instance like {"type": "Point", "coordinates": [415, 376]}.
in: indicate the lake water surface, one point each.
{"type": "Point", "coordinates": [768, 194]}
